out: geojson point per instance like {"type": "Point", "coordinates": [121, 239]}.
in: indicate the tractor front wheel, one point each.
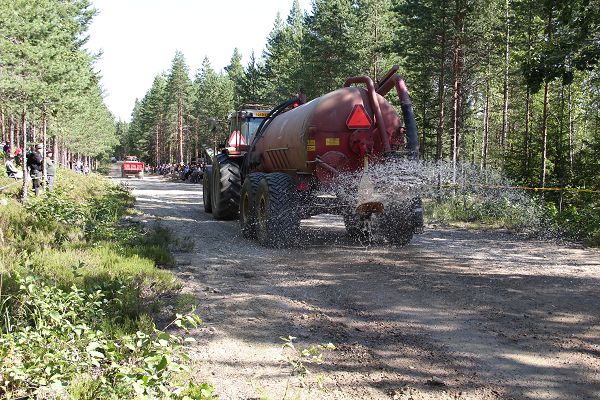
{"type": "Point", "coordinates": [206, 192]}
{"type": "Point", "coordinates": [225, 188]}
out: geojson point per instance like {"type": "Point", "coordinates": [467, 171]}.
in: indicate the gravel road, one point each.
{"type": "Point", "coordinates": [457, 314]}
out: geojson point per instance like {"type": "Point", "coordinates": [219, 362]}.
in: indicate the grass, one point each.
{"type": "Point", "coordinates": [77, 282]}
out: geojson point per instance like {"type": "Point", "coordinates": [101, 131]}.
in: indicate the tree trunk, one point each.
{"type": "Point", "coordinates": [25, 186]}
{"type": "Point", "coordinates": [571, 151]}
{"type": "Point", "coordinates": [12, 131]}
{"type": "Point", "coordinates": [545, 112]}
{"type": "Point", "coordinates": [506, 65]}
{"type": "Point", "coordinates": [156, 144]}
{"type": "Point", "coordinates": [33, 129]}
{"type": "Point", "coordinates": [422, 144]}
{"type": "Point", "coordinates": [18, 133]}
{"type": "Point", "coordinates": [486, 125]}
{"type": "Point", "coordinates": [2, 126]}
{"type": "Point", "coordinates": [544, 135]}
{"type": "Point", "coordinates": [526, 138]}
{"type": "Point", "coordinates": [55, 151]}
{"type": "Point", "coordinates": [441, 94]}
{"type": "Point", "coordinates": [457, 70]}
{"type": "Point", "coordinates": [180, 129]}
{"type": "Point", "coordinates": [44, 143]}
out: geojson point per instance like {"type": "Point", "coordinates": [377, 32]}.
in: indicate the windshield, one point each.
{"type": "Point", "coordinates": [249, 127]}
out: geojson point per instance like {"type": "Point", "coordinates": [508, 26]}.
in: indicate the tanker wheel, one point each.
{"type": "Point", "coordinates": [357, 227]}
{"type": "Point", "coordinates": [247, 204]}
{"type": "Point", "coordinates": [397, 225]}
{"type": "Point", "coordinates": [277, 217]}
{"type": "Point", "coordinates": [206, 193]}
{"type": "Point", "coordinates": [225, 188]}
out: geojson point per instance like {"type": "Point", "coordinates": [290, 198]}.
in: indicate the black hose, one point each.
{"type": "Point", "coordinates": [412, 137]}
{"type": "Point", "coordinates": [274, 112]}
{"type": "Point", "coordinates": [261, 128]}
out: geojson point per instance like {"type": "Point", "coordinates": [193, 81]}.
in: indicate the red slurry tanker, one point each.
{"type": "Point", "coordinates": [309, 159]}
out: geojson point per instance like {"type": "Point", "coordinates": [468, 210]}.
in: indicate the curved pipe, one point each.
{"type": "Point", "coordinates": [375, 107]}
{"type": "Point", "coordinates": [412, 136]}
{"type": "Point", "coordinates": [392, 79]}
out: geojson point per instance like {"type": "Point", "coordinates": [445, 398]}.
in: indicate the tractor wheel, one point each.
{"type": "Point", "coordinates": [247, 205]}
{"type": "Point", "coordinates": [357, 227]}
{"type": "Point", "coordinates": [397, 225]}
{"type": "Point", "coordinates": [206, 197]}
{"type": "Point", "coordinates": [277, 217]}
{"type": "Point", "coordinates": [225, 188]}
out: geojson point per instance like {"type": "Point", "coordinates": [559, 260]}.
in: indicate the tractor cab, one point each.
{"type": "Point", "coordinates": [243, 125]}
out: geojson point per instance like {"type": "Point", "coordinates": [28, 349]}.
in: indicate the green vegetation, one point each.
{"type": "Point", "coordinates": [76, 280]}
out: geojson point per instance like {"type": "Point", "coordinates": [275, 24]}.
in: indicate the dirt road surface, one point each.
{"type": "Point", "coordinates": [456, 314]}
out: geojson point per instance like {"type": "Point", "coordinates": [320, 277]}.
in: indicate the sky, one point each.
{"type": "Point", "coordinates": [138, 39]}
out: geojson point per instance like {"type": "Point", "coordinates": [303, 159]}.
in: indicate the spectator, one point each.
{"type": "Point", "coordinates": [50, 170]}
{"type": "Point", "coordinates": [35, 163]}
{"type": "Point", "coordinates": [11, 169]}
{"type": "Point", "coordinates": [86, 169]}
{"type": "Point", "coordinates": [19, 156]}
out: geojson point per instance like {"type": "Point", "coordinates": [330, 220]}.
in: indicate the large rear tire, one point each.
{"type": "Point", "coordinates": [206, 197]}
{"type": "Point", "coordinates": [277, 216]}
{"type": "Point", "coordinates": [225, 188]}
{"type": "Point", "coordinates": [397, 225]}
{"type": "Point", "coordinates": [247, 204]}
{"type": "Point", "coordinates": [357, 227]}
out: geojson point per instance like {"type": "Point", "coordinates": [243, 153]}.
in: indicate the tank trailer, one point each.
{"type": "Point", "coordinates": [303, 159]}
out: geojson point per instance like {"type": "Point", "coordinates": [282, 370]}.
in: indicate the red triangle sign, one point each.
{"type": "Point", "coordinates": [236, 139]}
{"type": "Point", "coordinates": [359, 118]}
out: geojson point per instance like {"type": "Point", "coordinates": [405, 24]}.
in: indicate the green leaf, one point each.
{"type": "Point", "coordinates": [96, 354]}
{"type": "Point", "coordinates": [162, 364]}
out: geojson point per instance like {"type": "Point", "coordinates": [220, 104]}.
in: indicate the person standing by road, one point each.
{"type": "Point", "coordinates": [50, 170]}
{"type": "Point", "coordinates": [35, 163]}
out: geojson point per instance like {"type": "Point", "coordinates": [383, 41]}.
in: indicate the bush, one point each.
{"type": "Point", "coordinates": [75, 283]}
{"type": "Point", "coordinates": [55, 342]}
{"type": "Point", "coordinates": [509, 212]}
{"type": "Point", "coordinates": [577, 223]}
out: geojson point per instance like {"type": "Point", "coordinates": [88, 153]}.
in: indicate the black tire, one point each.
{"type": "Point", "coordinates": [397, 225]}
{"type": "Point", "coordinates": [206, 193]}
{"type": "Point", "coordinates": [357, 227]}
{"type": "Point", "coordinates": [225, 188]}
{"type": "Point", "coordinates": [276, 205]}
{"type": "Point", "coordinates": [247, 204]}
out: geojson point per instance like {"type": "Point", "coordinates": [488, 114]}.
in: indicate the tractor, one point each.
{"type": "Point", "coordinates": [302, 159]}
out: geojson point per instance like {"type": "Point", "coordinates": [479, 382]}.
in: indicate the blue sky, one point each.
{"type": "Point", "coordinates": [138, 39]}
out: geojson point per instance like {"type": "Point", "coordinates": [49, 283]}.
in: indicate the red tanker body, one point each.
{"type": "Point", "coordinates": [309, 139]}
{"type": "Point", "coordinates": [308, 159]}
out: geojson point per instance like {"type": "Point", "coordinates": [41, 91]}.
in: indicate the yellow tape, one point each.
{"type": "Point", "coordinates": [535, 189]}
{"type": "Point", "coordinates": [332, 141]}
